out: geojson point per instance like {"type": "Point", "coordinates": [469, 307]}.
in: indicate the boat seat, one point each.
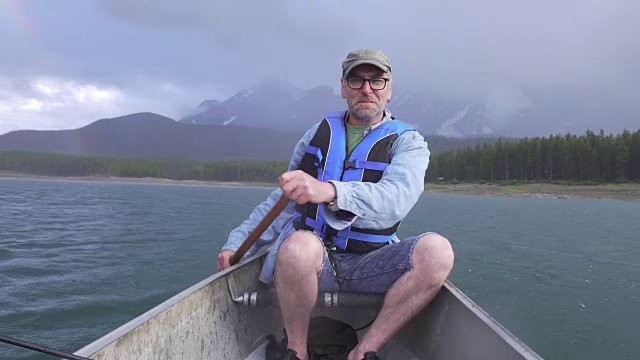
{"type": "Point", "coordinates": [268, 298]}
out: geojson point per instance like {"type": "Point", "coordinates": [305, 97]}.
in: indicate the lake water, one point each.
{"type": "Point", "coordinates": [78, 259]}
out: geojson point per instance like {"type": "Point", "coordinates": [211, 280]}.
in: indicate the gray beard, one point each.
{"type": "Point", "coordinates": [365, 116]}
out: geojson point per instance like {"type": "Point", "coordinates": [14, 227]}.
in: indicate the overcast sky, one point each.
{"type": "Point", "coordinates": [67, 63]}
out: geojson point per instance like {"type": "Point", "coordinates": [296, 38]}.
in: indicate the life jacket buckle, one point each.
{"type": "Point", "coordinates": [349, 164]}
{"type": "Point", "coordinates": [328, 230]}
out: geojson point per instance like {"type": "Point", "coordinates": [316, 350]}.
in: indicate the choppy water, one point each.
{"type": "Point", "coordinates": [78, 259]}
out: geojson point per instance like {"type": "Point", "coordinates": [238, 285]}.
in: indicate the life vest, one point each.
{"type": "Point", "coordinates": [325, 159]}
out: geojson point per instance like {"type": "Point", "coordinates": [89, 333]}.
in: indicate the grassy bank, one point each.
{"type": "Point", "coordinates": [625, 191]}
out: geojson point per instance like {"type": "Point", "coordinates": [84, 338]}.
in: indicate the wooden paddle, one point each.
{"type": "Point", "coordinates": [259, 229]}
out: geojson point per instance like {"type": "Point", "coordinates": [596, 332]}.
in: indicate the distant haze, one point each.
{"type": "Point", "coordinates": [68, 63]}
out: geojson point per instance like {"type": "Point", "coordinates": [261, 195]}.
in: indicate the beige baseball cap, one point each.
{"type": "Point", "coordinates": [365, 56]}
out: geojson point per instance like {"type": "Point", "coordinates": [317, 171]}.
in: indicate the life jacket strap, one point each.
{"type": "Point", "coordinates": [314, 150]}
{"type": "Point", "coordinates": [356, 235]}
{"type": "Point", "coordinates": [321, 228]}
{"type": "Point", "coordinates": [365, 164]}
{"type": "Point", "coordinates": [325, 230]}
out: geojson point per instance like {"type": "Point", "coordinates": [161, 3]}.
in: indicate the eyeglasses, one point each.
{"type": "Point", "coordinates": [357, 83]}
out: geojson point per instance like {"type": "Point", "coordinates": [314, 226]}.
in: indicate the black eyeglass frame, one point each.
{"type": "Point", "coordinates": [347, 79]}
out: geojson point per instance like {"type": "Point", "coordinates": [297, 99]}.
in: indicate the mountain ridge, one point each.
{"type": "Point", "coordinates": [149, 135]}
{"type": "Point", "coordinates": [275, 104]}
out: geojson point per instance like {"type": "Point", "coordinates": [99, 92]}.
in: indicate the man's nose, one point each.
{"type": "Point", "coordinates": [366, 88]}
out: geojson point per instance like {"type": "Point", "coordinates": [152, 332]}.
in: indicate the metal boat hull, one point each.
{"type": "Point", "coordinates": [204, 322]}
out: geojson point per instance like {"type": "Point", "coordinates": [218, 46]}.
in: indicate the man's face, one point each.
{"type": "Point", "coordinates": [366, 105]}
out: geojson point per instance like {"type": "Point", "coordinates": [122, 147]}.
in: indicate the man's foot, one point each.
{"type": "Point", "coordinates": [370, 355]}
{"type": "Point", "coordinates": [293, 355]}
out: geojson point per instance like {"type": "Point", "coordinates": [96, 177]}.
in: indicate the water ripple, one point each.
{"type": "Point", "coordinates": [78, 259]}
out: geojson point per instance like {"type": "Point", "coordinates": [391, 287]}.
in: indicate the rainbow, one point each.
{"type": "Point", "coordinates": [17, 15]}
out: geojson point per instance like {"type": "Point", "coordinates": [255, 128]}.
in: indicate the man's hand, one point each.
{"type": "Point", "coordinates": [224, 259]}
{"type": "Point", "coordinates": [303, 188]}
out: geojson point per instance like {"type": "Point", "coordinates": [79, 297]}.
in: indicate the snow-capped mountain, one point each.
{"type": "Point", "coordinates": [278, 105]}
{"type": "Point", "coordinates": [269, 104]}
{"type": "Point", "coordinates": [441, 117]}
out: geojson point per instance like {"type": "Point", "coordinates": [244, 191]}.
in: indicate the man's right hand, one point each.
{"type": "Point", "coordinates": [224, 259]}
{"type": "Point", "coordinates": [302, 188]}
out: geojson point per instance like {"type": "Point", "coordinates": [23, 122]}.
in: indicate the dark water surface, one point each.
{"type": "Point", "coordinates": [78, 259]}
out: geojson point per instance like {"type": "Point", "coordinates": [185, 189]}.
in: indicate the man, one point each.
{"type": "Point", "coordinates": [352, 178]}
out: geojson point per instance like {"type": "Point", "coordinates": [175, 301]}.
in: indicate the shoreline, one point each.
{"type": "Point", "coordinates": [625, 191]}
{"type": "Point", "coordinates": [146, 180]}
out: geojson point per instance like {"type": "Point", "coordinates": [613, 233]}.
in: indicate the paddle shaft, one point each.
{"type": "Point", "coordinates": [40, 348]}
{"type": "Point", "coordinates": [259, 229]}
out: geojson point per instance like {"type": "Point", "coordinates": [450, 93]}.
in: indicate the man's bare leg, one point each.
{"type": "Point", "coordinates": [298, 264]}
{"type": "Point", "coordinates": [432, 261]}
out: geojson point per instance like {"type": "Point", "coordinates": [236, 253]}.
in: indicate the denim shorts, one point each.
{"type": "Point", "coordinates": [371, 272]}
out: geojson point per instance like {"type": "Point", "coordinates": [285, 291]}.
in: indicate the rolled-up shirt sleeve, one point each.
{"type": "Point", "coordinates": [269, 236]}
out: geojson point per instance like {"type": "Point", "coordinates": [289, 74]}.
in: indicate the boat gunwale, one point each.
{"type": "Point", "coordinates": [158, 309]}
{"type": "Point", "coordinates": [504, 333]}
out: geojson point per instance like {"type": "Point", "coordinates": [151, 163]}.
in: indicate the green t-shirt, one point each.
{"type": "Point", "coordinates": [354, 136]}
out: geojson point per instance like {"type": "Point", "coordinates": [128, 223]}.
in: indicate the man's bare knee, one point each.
{"type": "Point", "coordinates": [300, 249]}
{"type": "Point", "coordinates": [434, 255]}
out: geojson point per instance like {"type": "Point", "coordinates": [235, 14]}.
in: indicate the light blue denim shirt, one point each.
{"type": "Point", "coordinates": [376, 205]}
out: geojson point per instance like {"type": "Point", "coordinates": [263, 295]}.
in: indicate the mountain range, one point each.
{"type": "Point", "coordinates": [149, 135]}
{"type": "Point", "coordinates": [266, 121]}
{"type": "Point", "coordinates": [275, 104]}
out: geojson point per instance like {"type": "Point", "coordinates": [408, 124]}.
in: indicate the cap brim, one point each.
{"type": "Point", "coordinates": [375, 63]}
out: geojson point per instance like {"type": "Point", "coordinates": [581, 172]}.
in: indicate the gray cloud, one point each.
{"type": "Point", "coordinates": [465, 47]}
{"type": "Point", "coordinates": [614, 45]}
{"type": "Point", "coordinates": [240, 23]}
{"type": "Point", "coordinates": [249, 39]}
{"type": "Point", "coordinates": [501, 52]}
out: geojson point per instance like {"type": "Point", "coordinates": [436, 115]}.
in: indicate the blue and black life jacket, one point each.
{"type": "Point", "coordinates": [325, 159]}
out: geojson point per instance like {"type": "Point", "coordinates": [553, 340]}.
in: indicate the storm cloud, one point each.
{"type": "Point", "coordinates": [167, 56]}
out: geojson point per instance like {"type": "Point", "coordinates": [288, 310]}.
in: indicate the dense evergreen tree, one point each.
{"type": "Point", "coordinates": [73, 165]}
{"type": "Point", "coordinates": [569, 158]}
